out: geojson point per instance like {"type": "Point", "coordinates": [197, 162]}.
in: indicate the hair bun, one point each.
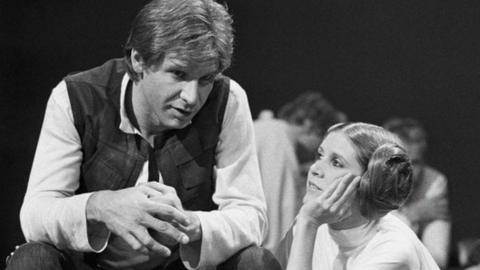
{"type": "Point", "coordinates": [387, 181]}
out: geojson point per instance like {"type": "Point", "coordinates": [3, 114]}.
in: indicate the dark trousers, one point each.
{"type": "Point", "coordinates": [41, 256]}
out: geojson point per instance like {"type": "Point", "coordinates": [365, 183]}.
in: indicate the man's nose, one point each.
{"type": "Point", "coordinates": [189, 92]}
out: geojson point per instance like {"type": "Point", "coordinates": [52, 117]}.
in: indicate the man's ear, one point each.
{"type": "Point", "coordinates": [137, 61]}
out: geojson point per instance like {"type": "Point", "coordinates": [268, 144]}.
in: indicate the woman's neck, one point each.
{"type": "Point", "coordinates": [354, 220]}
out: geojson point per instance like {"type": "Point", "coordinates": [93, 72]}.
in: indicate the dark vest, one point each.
{"type": "Point", "coordinates": [113, 159]}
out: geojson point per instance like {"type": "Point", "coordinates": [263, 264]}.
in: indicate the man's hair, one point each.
{"type": "Point", "coordinates": [195, 31]}
{"type": "Point", "coordinates": [314, 107]}
{"type": "Point", "coordinates": [409, 130]}
{"type": "Point", "coordinates": [387, 178]}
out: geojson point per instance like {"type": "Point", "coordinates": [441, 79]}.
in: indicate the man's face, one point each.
{"type": "Point", "coordinates": [308, 140]}
{"type": "Point", "coordinates": [415, 153]}
{"type": "Point", "coordinates": [173, 92]}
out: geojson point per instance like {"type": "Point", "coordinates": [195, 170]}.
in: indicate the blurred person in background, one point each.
{"type": "Point", "coordinates": [286, 147]}
{"type": "Point", "coordinates": [426, 210]}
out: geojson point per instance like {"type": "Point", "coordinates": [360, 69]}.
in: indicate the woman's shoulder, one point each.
{"type": "Point", "coordinates": [395, 242]}
{"type": "Point", "coordinates": [392, 236]}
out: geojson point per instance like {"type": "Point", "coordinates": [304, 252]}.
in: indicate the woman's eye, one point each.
{"type": "Point", "coordinates": [337, 163]}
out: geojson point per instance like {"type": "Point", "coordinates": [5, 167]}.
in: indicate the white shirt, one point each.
{"type": "Point", "coordinates": [53, 213]}
{"type": "Point", "coordinates": [387, 244]}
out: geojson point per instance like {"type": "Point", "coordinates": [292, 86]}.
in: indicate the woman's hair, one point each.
{"type": "Point", "coordinates": [195, 31]}
{"type": "Point", "coordinates": [387, 178]}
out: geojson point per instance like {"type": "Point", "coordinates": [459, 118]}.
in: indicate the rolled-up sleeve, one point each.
{"type": "Point", "coordinates": [240, 220]}
{"type": "Point", "coordinates": [51, 212]}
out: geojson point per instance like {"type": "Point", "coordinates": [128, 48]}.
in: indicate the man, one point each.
{"type": "Point", "coordinates": [286, 148]}
{"type": "Point", "coordinates": [148, 162]}
{"type": "Point", "coordinates": [426, 210]}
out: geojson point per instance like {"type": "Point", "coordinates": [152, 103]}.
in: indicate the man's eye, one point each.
{"type": "Point", "coordinates": [207, 79]}
{"type": "Point", "coordinates": [179, 74]}
{"type": "Point", "coordinates": [318, 156]}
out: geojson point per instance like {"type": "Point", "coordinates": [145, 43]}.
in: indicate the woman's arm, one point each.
{"type": "Point", "coordinates": [301, 252]}
{"type": "Point", "coordinates": [330, 206]}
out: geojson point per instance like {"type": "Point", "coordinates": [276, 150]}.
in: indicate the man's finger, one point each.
{"type": "Point", "coordinates": [133, 242]}
{"type": "Point", "coordinates": [166, 229]}
{"type": "Point", "coordinates": [148, 191]}
{"type": "Point", "coordinates": [170, 199]}
{"type": "Point", "coordinates": [161, 187]}
{"type": "Point", "coordinates": [168, 213]}
{"type": "Point", "coordinates": [146, 240]}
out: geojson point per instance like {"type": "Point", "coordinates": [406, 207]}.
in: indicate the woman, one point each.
{"type": "Point", "coordinates": [361, 174]}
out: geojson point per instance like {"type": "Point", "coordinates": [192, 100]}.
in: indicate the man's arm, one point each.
{"type": "Point", "coordinates": [50, 212]}
{"type": "Point", "coordinates": [436, 238]}
{"type": "Point", "coordinates": [240, 220]}
{"type": "Point", "coordinates": [53, 213]}
{"type": "Point", "coordinates": [436, 234]}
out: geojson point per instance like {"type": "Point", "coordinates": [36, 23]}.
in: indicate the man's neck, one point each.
{"type": "Point", "coordinates": [131, 98]}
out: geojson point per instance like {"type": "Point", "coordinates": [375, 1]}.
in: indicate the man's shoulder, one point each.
{"type": "Point", "coordinates": [99, 75]}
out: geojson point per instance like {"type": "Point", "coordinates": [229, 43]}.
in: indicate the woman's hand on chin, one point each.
{"type": "Point", "coordinates": [332, 205]}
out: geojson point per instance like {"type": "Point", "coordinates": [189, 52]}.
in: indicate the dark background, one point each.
{"type": "Point", "coordinates": [372, 59]}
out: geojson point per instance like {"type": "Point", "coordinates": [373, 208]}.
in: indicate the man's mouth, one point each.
{"type": "Point", "coordinates": [183, 112]}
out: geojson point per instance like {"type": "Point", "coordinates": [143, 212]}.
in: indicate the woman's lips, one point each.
{"type": "Point", "coordinates": [313, 186]}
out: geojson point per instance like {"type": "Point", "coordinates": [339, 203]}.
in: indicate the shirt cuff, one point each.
{"type": "Point", "coordinates": [201, 253]}
{"type": "Point", "coordinates": [76, 222]}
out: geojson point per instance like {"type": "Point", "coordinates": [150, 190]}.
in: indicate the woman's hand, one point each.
{"type": "Point", "coordinates": [333, 204]}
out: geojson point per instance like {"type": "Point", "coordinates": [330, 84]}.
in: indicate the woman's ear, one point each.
{"type": "Point", "coordinates": [137, 61]}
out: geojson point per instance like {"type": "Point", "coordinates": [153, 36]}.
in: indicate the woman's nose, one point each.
{"type": "Point", "coordinates": [316, 169]}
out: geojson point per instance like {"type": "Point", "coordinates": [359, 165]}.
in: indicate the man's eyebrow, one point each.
{"type": "Point", "coordinates": [176, 63]}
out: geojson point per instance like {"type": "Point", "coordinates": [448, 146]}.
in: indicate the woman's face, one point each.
{"type": "Point", "coordinates": [336, 157]}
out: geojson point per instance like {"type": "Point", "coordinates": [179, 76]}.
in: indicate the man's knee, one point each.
{"type": "Point", "coordinates": [37, 255]}
{"type": "Point", "coordinates": [252, 257]}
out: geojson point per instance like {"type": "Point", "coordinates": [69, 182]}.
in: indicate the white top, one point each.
{"type": "Point", "coordinates": [388, 244]}
{"type": "Point", "coordinates": [53, 213]}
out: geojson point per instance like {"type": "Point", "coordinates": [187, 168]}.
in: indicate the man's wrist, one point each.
{"type": "Point", "coordinates": [92, 209]}
{"type": "Point", "coordinates": [97, 232]}
{"type": "Point", "coordinates": [195, 231]}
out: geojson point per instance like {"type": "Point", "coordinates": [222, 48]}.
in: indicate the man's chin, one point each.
{"type": "Point", "coordinates": [179, 123]}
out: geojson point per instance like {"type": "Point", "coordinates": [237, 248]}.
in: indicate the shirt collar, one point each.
{"type": "Point", "coordinates": [125, 124]}
{"type": "Point", "coordinates": [352, 238]}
